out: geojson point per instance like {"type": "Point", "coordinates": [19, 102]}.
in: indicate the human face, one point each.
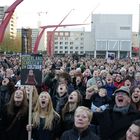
{"type": "Point", "coordinates": [18, 97]}
{"type": "Point", "coordinates": [133, 133]}
{"type": "Point", "coordinates": [102, 93]}
{"type": "Point", "coordinates": [81, 119]}
{"type": "Point", "coordinates": [122, 99]}
{"type": "Point", "coordinates": [109, 80]}
{"type": "Point", "coordinates": [5, 81]}
{"type": "Point", "coordinates": [31, 72]}
{"type": "Point", "coordinates": [78, 80]}
{"type": "Point", "coordinates": [136, 95]}
{"type": "Point", "coordinates": [61, 89]}
{"type": "Point", "coordinates": [43, 100]}
{"type": "Point", "coordinates": [73, 97]}
{"type": "Point", "coordinates": [127, 83]}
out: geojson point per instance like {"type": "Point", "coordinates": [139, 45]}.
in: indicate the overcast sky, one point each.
{"type": "Point", "coordinates": [27, 11]}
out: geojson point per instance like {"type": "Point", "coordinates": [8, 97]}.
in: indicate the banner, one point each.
{"type": "Point", "coordinates": [31, 69]}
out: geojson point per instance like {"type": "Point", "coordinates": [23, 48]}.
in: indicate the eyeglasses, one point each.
{"type": "Point", "coordinates": [121, 93]}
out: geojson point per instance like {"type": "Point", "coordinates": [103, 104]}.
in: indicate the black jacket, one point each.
{"type": "Point", "coordinates": [39, 133]}
{"type": "Point", "coordinates": [73, 134]}
{"type": "Point", "coordinates": [113, 125]}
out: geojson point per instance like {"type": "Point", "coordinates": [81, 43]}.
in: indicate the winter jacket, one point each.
{"type": "Point", "coordinates": [15, 126]}
{"type": "Point", "coordinates": [73, 134]}
{"type": "Point", "coordinates": [5, 96]}
{"type": "Point", "coordinates": [67, 121]}
{"type": "Point", "coordinates": [113, 124]}
{"type": "Point", "coordinates": [40, 133]}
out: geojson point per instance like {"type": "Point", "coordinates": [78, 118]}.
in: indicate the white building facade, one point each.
{"type": "Point", "coordinates": [112, 33]}
{"type": "Point", "coordinates": [71, 42]}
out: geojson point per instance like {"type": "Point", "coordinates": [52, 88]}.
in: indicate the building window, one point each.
{"type": "Point", "coordinates": [55, 43]}
{"type": "Point", "coordinates": [66, 52]}
{"type": "Point", "coordinates": [66, 43]}
{"type": "Point", "coordinates": [61, 43]}
{"type": "Point", "coordinates": [82, 38]}
{"type": "Point", "coordinates": [66, 47]}
{"type": "Point", "coordinates": [61, 52]}
{"type": "Point", "coordinates": [56, 33]}
{"type": "Point", "coordinates": [61, 33]}
{"type": "Point", "coordinates": [71, 52]}
{"type": "Point", "coordinates": [81, 48]}
{"type": "Point", "coordinates": [71, 43]}
{"type": "Point", "coordinates": [56, 47]}
{"type": "Point", "coordinates": [81, 52]}
{"type": "Point", "coordinates": [66, 38]}
{"type": "Point", "coordinates": [66, 33]}
{"type": "Point", "coordinates": [71, 47]}
{"type": "Point", "coordinates": [56, 38]}
{"type": "Point", "coordinates": [61, 38]}
{"type": "Point", "coordinates": [61, 47]}
{"type": "Point", "coordinates": [125, 28]}
{"type": "Point", "coordinates": [76, 48]}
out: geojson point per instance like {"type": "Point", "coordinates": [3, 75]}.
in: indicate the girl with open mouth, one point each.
{"type": "Point", "coordinates": [45, 119]}
{"type": "Point", "coordinates": [136, 97]}
{"type": "Point", "coordinates": [15, 117]}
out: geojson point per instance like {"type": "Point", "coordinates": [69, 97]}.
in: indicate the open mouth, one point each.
{"type": "Point", "coordinates": [42, 102]}
{"type": "Point", "coordinates": [71, 97]}
{"type": "Point", "coordinates": [120, 100]}
{"type": "Point", "coordinates": [135, 96]}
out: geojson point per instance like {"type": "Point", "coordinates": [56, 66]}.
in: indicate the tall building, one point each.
{"type": "Point", "coordinates": [112, 34]}
{"type": "Point", "coordinates": [11, 28]}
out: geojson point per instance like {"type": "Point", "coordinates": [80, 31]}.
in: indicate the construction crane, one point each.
{"type": "Point", "coordinates": [9, 12]}
{"type": "Point", "coordinates": [91, 13]}
{"type": "Point", "coordinates": [40, 35]}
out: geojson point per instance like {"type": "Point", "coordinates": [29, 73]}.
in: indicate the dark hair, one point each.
{"type": "Point", "coordinates": [135, 122]}
{"type": "Point", "coordinates": [23, 108]}
{"type": "Point", "coordinates": [66, 107]}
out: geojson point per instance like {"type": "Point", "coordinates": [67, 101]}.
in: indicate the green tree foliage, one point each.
{"type": "Point", "coordinates": [11, 45]}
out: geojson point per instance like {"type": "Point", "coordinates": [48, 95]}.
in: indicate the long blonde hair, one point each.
{"type": "Point", "coordinates": [50, 114]}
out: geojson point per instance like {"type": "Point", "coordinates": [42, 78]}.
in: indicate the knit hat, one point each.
{"type": "Point", "coordinates": [124, 89]}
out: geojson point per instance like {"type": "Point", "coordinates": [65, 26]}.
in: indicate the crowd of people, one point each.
{"type": "Point", "coordinates": [78, 99]}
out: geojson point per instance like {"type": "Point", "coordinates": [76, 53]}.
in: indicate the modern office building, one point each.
{"type": "Point", "coordinates": [112, 34]}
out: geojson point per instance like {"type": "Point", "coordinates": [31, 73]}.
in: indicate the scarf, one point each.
{"type": "Point", "coordinates": [123, 110]}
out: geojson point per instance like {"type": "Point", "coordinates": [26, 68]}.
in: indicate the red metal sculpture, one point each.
{"type": "Point", "coordinates": [43, 29]}
{"type": "Point", "coordinates": [9, 12]}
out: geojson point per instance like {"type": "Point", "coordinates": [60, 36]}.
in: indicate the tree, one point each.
{"type": "Point", "coordinates": [11, 45]}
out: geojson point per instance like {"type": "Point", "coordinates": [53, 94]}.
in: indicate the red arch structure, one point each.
{"type": "Point", "coordinates": [42, 31]}
{"type": "Point", "coordinates": [9, 12]}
